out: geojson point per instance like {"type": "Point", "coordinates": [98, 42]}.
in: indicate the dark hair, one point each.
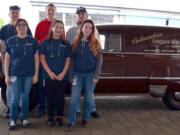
{"type": "Point", "coordinates": [50, 5]}
{"type": "Point", "coordinates": [20, 20]}
{"type": "Point", "coordinates": [50, 36]}
{"type": "Point", "coordinates": [14, 8]}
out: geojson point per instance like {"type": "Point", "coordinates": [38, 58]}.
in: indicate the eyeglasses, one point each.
{"type": "Point", "coordinates": [21, 25]}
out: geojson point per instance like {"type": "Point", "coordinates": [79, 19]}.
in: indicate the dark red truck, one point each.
{"type": "Point", "coordinates": [137, 59]}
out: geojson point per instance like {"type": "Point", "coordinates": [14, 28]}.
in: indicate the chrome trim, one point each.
{"type": "Point", "coordinates": [164, 78]}
{"type": "Point", "coordinates": [143, 53]}
{"type": "Point", "coordinates": [157, 90]}
{"type": "Point", "coordinates": [122, 77]}
{"type": "Point", "coordinates": [139, 77]}
{"type": "Point", "coordinates": [106, 73]}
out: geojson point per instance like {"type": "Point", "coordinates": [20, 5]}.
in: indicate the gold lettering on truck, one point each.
{"type": "Point", "coordinates": [142, 38]}
{"type": "Point", "coordinates": [160, 41]}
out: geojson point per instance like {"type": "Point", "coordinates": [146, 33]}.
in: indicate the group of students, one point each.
{"type": "Point", "coordinates": [51, 61]}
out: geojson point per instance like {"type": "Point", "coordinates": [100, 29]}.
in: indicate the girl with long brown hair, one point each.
{"type": "Point", "coordinates": [86, 67]}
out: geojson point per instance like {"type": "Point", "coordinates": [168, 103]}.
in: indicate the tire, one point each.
{"type": "Point", "coordinates": [171, 101]}
{"type": "Point", "coordinates": [33, 97]}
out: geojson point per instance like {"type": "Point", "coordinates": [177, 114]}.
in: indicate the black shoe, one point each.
{"type": "Point", "coordinates": [59, 122]}
{"type": "Point", "coordinates": [7, 113]}
{"type": "Point", "coordinates": [95, 115]}
{"type": "Point", "coordinates": [50, 122]}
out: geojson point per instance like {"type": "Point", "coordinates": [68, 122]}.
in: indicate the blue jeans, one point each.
{"type": "Point", "coordinates": [19, 86]}
{"type": "Point", "coordinates": [93, 105]}
{"type": "Point", "coordinates": [80, 81]}
{"type": "Point", "coordinates": [8, 96]}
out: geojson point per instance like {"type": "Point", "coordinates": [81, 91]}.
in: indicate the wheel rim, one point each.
{"type": "Point", "coordinates": [177, 96]}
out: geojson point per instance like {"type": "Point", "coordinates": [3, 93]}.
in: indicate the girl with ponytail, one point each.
{"type": "Point", "coordinates": [55, 56]}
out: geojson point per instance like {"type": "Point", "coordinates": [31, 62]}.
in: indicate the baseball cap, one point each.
{"type": "Point", "coordinates": [81, 9]}
{"type": "Point", "coordinates": [14, 8]}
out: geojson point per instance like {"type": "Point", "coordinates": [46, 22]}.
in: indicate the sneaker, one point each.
{"type": "Point", "coordinates": [12, 125]}
{"type": "Point", "coordinates": [50, 122]}
{"type": "Point", "coordinates": [95, 115]}
{"type": "Point", "coordinates": [40, 114]}
{"type": "Point", "coordinates": [59, 122]}
{"type": "Point", "coordinates": [85, 123]}
{"type": "Point", "coordinates": [25, 123]}
{"type": "Point", "coordinates": [7, 113]}
{"type": "Point", "coordinates": [70, 127]}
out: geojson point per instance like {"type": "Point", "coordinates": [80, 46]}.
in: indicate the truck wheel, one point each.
{"type": "Point", "coordinates": [33, 96]}
{"type": "Point", "coordinates": [172, 100]}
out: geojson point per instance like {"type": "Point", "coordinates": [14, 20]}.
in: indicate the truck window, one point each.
{"type": "Point", "coordinates": [114, 42]}
{"type": "Point", "coordinates": [111, 42]}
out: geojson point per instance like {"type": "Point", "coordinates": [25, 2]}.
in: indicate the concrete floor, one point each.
{"type": "Point", "coordinates": [120, 115]}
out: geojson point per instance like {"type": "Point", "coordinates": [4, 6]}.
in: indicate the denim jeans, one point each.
{"type": "Point", "coordinates": [78, 109]}
{"type": "Point", "coordinates": [8, 93]}
{"type": "Point", "coordinates": [8, 96]}
{"type": "Point", "coordinates": [19, 86]}
{"type": "Point", "coordinates": [80, 81]}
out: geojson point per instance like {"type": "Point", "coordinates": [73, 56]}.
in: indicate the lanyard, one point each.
{"type": "Point", "coordinates": [17, 44]}
{"type": "Point", "coordinates": [52, 50]}
{"type": "Point", "coordinates": [83, 45]}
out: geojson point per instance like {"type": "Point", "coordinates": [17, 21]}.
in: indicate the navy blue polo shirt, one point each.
{"type": "Point", "coordinates": [21, 51]}
{"type": "Point", "coordinates": [84, 59]}
{"type": "Point", "coordinates": [56, 52]}
{"type": "Point", "coordinates": [8, 31]}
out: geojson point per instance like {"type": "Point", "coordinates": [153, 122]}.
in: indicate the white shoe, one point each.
{"type": "Point", "coordinates": [25, 123]}
{"type": "Point", "coordinates": [12, 125]}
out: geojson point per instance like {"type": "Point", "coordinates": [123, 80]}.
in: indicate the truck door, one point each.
{"type": "Point", "coordinates": [113, 70]}
{"type": "Point", "coordinates": [140, 59]}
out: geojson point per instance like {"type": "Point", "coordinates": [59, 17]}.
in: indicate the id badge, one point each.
{"type": "Point", "coordinates": [43, 83]}
{"type": "Point", "coordinates": [74, 81]}
{"type": "Point", "coordinates": [13, 78]}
